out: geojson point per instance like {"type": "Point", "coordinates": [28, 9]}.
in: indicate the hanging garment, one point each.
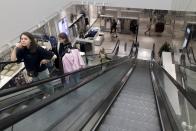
{"type": "Point", "coordinates": [72, 61]}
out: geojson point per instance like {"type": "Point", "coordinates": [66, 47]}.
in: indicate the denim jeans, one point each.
{"type": "Point", "coordinates": [72, 80]}
{"type": "Point", "coordinates": [46, 87]}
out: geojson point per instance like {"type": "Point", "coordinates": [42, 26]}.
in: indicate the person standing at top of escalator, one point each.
{"type": "Point", "coordinates": [35, 59]}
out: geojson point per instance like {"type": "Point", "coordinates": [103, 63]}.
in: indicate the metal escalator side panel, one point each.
{"type": "Point", "coordinates": [102, 110]}
{"type": "Point", "coordinates": [40, 107]}
{"type": "Point", "coordinates": [135, 107]}
{"type": "Point", "coordinates": [181, 112]}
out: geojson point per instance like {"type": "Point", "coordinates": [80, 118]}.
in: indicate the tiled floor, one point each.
{"type": "Point", "coordinates": [146, 42]}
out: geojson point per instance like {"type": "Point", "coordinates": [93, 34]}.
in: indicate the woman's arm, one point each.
{"type": "Point", "coordinates": [13, 54]}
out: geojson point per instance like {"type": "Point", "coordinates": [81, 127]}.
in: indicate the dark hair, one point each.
{"type": "Point", "coordinates": [33, 43]}
{"type": "Point", "coordinates": [63, 36]}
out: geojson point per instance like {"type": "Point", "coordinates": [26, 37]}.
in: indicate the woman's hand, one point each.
{"type": "Point", "coordinates": [44, 61]}
{"type": "Point", "coordinates": [18, 45]}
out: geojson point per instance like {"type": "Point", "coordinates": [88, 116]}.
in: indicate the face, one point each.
{"type": "Point", "coordinates": [61, 40]}
{"type": "Point", "coordinates": [25, 41]}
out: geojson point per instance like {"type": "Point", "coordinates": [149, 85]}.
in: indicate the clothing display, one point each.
{"type": "Point", "coordinates": [3, 72]}
{"type": "Point", "coordinates": [71, 62]}
{"type": "Point", "coordinates": [9, 69]}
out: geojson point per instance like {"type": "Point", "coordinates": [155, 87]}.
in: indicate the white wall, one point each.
{"type": "Point", "coordinates": [20, 15]}
{"type": "Point", "coordinates": [146, 4]}
{"type": "Point", "coordinates": [183, 5]}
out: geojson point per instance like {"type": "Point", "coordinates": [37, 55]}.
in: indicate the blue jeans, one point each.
{"type": "Point", "coordinates": [73, 79]}
{"type": "Point", "coordinates": [46, 87]}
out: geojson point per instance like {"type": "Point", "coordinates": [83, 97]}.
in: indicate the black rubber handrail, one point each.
{"type": "Point", "coordinates": [20, 115]}
{"type": "Point", "coordinates": [26, 86]}
{"type": "Point", "coordinates": [178, 86]}
{"type": "Point", "coordinates": [192, 52]}
{"type": "Point", "coordinates": [101, 111]}
{"type": "Point", "coordinates": [131, 51]}
{"type": "Point", "coordinates": [167, 121]}
{"type": "Point", "coordinates": [192, 68]}
{"type": "Point", "coordinates": [153, 52]}
{"type": "Point", "coordinates": [188, 53]}
{"type": "Point", "coordinates": [115, 47]}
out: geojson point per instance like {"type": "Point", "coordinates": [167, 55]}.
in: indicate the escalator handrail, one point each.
{"type": "Point", "coordinates": [188, 67]}
{"type": "Point", "coordinates": [153, 52]}
{"type": "Point", "coordinates": [131, 51]}
{"type": "Point", "coordinates": [26, 86]}
{"type": "Point", "coordinates": [20, 115]}
{"type": "Point", "coordinates": [167, 121]}
{"type": "Point", "coordinates": [192, 52]}
{"type": "Point", "coordinates": [187, 52]}
{"type": "Point", "coordinates": [116, 45]}
{"type": "Point", "coordinates": [178, 86]}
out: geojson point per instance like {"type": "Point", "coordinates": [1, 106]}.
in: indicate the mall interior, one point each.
{"type": "Point", "coordinates": [124, 65]}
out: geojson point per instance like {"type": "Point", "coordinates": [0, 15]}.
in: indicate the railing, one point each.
{"type": "Point", "coordinates": [191, 56]}
{"type": "Point", "coordinates": [174, 98]}
{"type": "Point", "coordinates": [114, 52]}
{"type": "Point", "coordinates": [18, 116]}
{"type": "Point", "coordinates": [16, 89]}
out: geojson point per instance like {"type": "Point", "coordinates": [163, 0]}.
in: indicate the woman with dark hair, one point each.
{"type": "Point", "coordinates": [35, 59]}
{"type": "Point", "coordinates": [62, 47]}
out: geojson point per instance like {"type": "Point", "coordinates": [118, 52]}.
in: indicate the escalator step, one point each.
{"type": "Point", "coordinates": [133, 124]}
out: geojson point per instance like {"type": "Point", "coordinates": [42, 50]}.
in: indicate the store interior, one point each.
{"type": "Point", "coordinates": [88, 27]}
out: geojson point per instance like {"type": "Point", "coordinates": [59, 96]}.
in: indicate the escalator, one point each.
{"type": "Point", "coordinates": [78, 101]}
{"type": "Point", "coordinates": [135, 108]}
{"type": "Point", "coordinates": [129, 95]}
{"type": "Point", "coordinates": [19, 101]}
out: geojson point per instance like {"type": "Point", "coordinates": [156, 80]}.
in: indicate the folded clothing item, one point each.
{"type": "Point", "coordinates": [8, 66]}
{"type": "Point", "coordinates": [9, 73]}
{"type": "Point", "coordinates": [14, 68]}
{"type": "Point", "coordinates": [3, 72]}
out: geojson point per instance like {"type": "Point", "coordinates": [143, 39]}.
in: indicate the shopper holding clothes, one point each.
{"type": "Point", "coordinates": [35, 59]}
{"type": "Point", "coordinates": [62, 46]}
